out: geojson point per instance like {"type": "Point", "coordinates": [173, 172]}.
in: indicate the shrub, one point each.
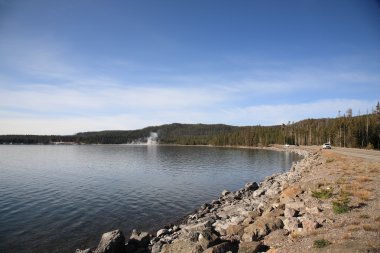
{"type": "Point", "coordinates": [321, 243]}
{"type": "Point", "coordinates": [322, 194]}
{"type": "Point", "coordinates": [340, 207]}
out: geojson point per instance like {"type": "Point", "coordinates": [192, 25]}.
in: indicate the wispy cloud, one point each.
{"type": "Point", "coordinates": [62, 95]}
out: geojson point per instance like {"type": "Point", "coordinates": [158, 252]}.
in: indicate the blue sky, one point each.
{"type": "Point", "coordinates": [81, 65]}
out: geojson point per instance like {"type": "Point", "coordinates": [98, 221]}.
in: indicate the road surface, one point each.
{"type": "Point", "coordinates": [361, 153]}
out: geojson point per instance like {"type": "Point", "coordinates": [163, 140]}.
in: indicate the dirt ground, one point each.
{"type": "Point", "coordinates": [346, 188]}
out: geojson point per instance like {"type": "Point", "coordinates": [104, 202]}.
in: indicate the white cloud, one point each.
{"type": "Point", "coordinates": [71, 97]}
{"type": "Point", "coordinates": [52, 99]}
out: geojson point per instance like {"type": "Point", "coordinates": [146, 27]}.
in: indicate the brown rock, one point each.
{"type": "Point", "coordinates": [290, 193]}
{"type": "Point", "coordinates": [234, 230]}
{"type": "Point", "coordinates": [277, 238]}
{"type": "Point", "coordinates": [247, 221]}
{"type": "Point", "coordinates": [313, 210]}
{"type": "Point", "coordinates": [111, 242]}
{"type": "Point", "coordinates": [249, 247]}
{"type": "Point", "coordinates": [221, 248]}
{"type": "Point", "coordinates": [183, 246]}
{"type": "Point", "coordinates": [290, 212]}
{"type": "Point", "coordinates": [261, 227]}
{"type": "Point", "coordinates": [309, 225]}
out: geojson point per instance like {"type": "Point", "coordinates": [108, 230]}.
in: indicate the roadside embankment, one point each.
{"type": "Point", "coordinates": [326, 202]}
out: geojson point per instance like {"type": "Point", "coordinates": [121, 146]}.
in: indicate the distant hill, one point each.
{"type": "Point", "coordinates": [359, 132]}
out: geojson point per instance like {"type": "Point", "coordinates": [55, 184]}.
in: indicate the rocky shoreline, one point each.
{"type": "Point", "coordinates": [257, 218]}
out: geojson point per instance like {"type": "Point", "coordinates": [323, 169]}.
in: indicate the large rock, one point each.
{"type": "Point", "coordinates": [225, 193]}
{"type": "Point", "coordinates": [156, 248]}
{"type": "Point", "coordinates": [222, 248]}
{"type": "Point", "coordinates": [309, 225]}
{"type": "Point", "coordinates": [198, 227]}
{"type": "Point", "coordinates": [207, 239]}
{"type": "Point", "coordinates": [258, 193]}
{"type": "Point", "coordinates": [220, 227]}
{"type": "Point", "coordinates": [111, 242]}
{"type": "Point", "coordinates": [140, 239]}
{"type": "Point", "coordinates": [261, 227]}
{"type": "Point", "coordinates": [290, 212]}
{"type": "Point", "coordinates": [183, 246]}
{"type": "Point", "coordinates": [235, 230]}
{"type": "Point", "coordinates": [251, 186]}
{"type": "Point", "coordinates": [291, 224]}
{"type": "Point", "coordinates": [163, 231]}
{"type": "Point", "coordinates": [249, 247]}
{"type": "Point", "coordinates": [297, 205]}
{"type": "Point", "coordinates": [277, 239]}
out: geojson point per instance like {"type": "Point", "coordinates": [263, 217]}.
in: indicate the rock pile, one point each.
{"type": "Point", "coordinates": [245, 221]}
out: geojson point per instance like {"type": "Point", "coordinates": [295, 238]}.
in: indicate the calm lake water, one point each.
{"type": "Point", "coordinates": [59, 198]}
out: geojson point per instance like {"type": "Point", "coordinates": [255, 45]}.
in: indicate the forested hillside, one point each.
{"type": "Point", "coordinates": [345, 131]}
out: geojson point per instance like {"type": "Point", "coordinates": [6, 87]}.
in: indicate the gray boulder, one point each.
{"type": "Point", "coordinates": [162, 232]}
{"type": "Point", "coordinates": [207, 239]}
{"type": "Point", "coordinates": [251, 186]}
{"type": "Point", "coordinates": [225, 193]}
{"type": "Point", "coordinates": [140, 239]}
{"type": "Point", "coordinates": [111, 242]}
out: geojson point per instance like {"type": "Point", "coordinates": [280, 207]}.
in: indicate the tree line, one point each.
{"type": "Point", "coordinates": [362, 131]}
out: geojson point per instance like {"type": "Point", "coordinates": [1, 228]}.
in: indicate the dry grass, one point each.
{"type": "Point", "coordinates": [341, 181]}
{"type": "Point", "coordinates": [373, 170]}
{"type": "Point", "coordinates": [353, 228]}
{"type": "Point", "coordinates": [355, 223]}
{"type": "Point", "coordinates": [363, 179]}
{"type": "Point", "coordinates": [347, 236]}
{"type": "Point", "coordinates": [296, 234]}
{"type": "Point", "coordinates": [363, 194]}
{"type": "Point", "coordinates": [370, 227]}
{"type": "Point", "coordinates": [377, 219]}
{"type": "Point", "coordinates": [353, 187]}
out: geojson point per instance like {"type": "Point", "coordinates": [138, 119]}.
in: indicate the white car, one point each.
{"type": "Point", "coordinates": [326, 146]}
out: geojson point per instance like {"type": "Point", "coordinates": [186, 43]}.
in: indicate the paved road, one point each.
{"type": "Point", "coordinates": [361, 153]}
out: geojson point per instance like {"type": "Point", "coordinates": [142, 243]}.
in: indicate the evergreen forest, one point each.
{"type": "Point", "coordinates": [361, 131]}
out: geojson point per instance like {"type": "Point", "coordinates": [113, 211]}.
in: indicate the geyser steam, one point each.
{"type": "Point", "coordinates": [152, 139]}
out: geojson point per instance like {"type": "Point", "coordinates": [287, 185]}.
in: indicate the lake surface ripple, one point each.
{"type": "Point", "coordinates": [58, 198]}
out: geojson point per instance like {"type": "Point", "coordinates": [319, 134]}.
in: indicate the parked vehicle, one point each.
{"type": "Point", "coordinates": [326, 146]}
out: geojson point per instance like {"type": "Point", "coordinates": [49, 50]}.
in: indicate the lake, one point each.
{"type": "Point", "coordinates": [57, 198]}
